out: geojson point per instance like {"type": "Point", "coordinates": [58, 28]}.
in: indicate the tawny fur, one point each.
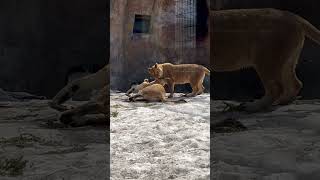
{"type": "Point", "coordinates": [181, 74]}
{"type": "Point", "coordinates": [268, 40]}
{"type": "Point", "coordinates": [149, 91]}
{"type": "Point", "coordinates": [145, 83]}
{"type": "Point", "coordinates": [99, 105]}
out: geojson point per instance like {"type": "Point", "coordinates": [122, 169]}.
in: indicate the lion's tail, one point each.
{"type": "Point", "coordinates": [177, 100]}
{"type": "Point", "coordinates": [206, 70]}
{"type": "Point", "coordinates": [311, 31]}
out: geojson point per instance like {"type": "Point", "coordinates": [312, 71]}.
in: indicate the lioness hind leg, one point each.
{"type": "Point", "coordinates": [291, 86]}
{"type": "Point", "coordinates": [171, 86]}
{"type": "Point", "coordinates": [290, 82]}
{"type": "Point", "coordinates": [272, 86]}
{"type": "Point", "coordinates": [201, 89]}
{"type": "Point", "coordinates": [200, 84]}
{"type": "Point", "coordinates": [134, 97]}
{"type": "Point", "coordinates": [194, 92]}
{"type": "Point", "coordinates": [197, 87]}
{"type": "Point", "coordinates": [72, 115]}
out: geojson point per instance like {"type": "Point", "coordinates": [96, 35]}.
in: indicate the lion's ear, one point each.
{"type": "Point", "coordinates": [156, 65]}
{"type": "Point", "coordinates": [146, 80]}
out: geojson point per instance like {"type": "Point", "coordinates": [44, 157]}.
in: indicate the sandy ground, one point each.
{"type": "Point", "coordinates": [156, 141]}
{"type": "Point", "coordinates": [280, 145]}
{"type": "Point", "coordinates": [49, 150]}
{"type": "Point", "coordinates": [162, 141]}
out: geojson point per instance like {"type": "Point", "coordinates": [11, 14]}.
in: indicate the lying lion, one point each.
{"type": "Point", "coordinates": [137, 87]}
{"type": "Point", "coordinates": [268, 40]}
{"type": "Point", "coordinates": [181, 74]}
{"type": "Point", "coordinates": [97, 105]}
{"type": "Point", "coordinates": [151, 91]}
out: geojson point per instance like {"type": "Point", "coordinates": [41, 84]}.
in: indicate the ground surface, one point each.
{"type": "Point", "coordinates": [160, 141]}
{"type": "Point", "coordinates": [48, 150]}
{"type": "Point", "coordinates": [279, 145]}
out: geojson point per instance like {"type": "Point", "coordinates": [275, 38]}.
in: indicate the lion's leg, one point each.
{"type": "Point", "coordinates": [200, 84]}
{"type": "Point", "coordinates": [134, 97]}
{"type": "Point", "coordinates": [195, 90]}
{"type": "Point", "coordinates": [171, 86]}
{"type": "Point", "coordinates": [272, 86]}
{"type": "Point", "coordinates": [200, 88]}
{"type": "Point", "coordinates": [290, 82]}
{"type": "Point", "coordinates": [85, 84]}
{"type": "Point", "coordinates": [63, 95]}
{"type": "Point", "coordinates": [291, 86]}
{"type": "Point", "coordinates": [163, 98]}
{"type": "Point", "coordinates": [73, 115]}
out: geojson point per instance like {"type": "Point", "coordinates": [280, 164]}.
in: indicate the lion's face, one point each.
{"type": "Point", "coordinates": [155, 71]}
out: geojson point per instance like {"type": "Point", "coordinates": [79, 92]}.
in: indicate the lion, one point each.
{"type": "Point", "coordinates": [181, 74]}
{"type": "Point", "coordinates": [151, 91]}
{"type": "Point", "coordinates": [135, 88]}
{"type": "Point", "coordinates": [98, 105]}
{"type": "Point", "coordinates": [268, 40]}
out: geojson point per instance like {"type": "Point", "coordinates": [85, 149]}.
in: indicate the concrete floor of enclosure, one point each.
{"type": "Point", "coordinates": [281, 144]}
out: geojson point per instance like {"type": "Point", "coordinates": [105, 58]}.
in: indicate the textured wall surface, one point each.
{"type": "Point", "coordinates": [42, 41]}
{"type": "Point", "coordinates": [245, 84]}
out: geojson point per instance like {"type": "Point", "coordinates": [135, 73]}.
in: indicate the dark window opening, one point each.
{"type": "Point", "coordinates": [202, 19]}
{"type": "Point", "coordinates": [141, 24]}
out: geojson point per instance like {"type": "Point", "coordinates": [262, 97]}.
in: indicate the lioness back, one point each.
{"type": "Point", "coordinates": [182, 73]}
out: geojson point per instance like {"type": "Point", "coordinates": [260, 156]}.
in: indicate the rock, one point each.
{"type": "Point", "coordinates": [17, 96]}
{"type": "Point", "coordinates": [52, 150]}
{"type": "Point", "coordinates": [4, 96]}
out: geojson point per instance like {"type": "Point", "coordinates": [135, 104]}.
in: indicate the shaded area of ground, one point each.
{"type": "Point", "coordinates": [51, 151]}
{"type": "Point", "coordinates": [160, 140]}
{"type": "Point", "coordinates": [283, 144]}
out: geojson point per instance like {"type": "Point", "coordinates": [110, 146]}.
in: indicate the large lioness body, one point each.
{"type": "Point", "coordinates": [181, 74]}
{"type": "Point", "coordinates": [152, 93]}
{"type": "Point", "coordinates": [135, 88]}
{"type": "Point", "coordinates": [97, 105]}
{"type": "Point", "coordinates": [149, 91]}
{"type": "Point", "coordinates": [268, 40]}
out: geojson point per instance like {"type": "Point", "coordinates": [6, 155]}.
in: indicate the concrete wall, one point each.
{"type": "Point", "coordinates": [245, 84]}
{"type": "Point", "coordinates": [40, 41]}
{"type": "Point", "coordinates": [132, 54]}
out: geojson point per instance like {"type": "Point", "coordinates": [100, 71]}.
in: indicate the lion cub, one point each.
{"type": "Point", "coordinates": [181, 74]}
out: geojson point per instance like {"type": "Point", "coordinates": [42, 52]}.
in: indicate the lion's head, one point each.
{"type": "Point", "coordinates": [156, 71]}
